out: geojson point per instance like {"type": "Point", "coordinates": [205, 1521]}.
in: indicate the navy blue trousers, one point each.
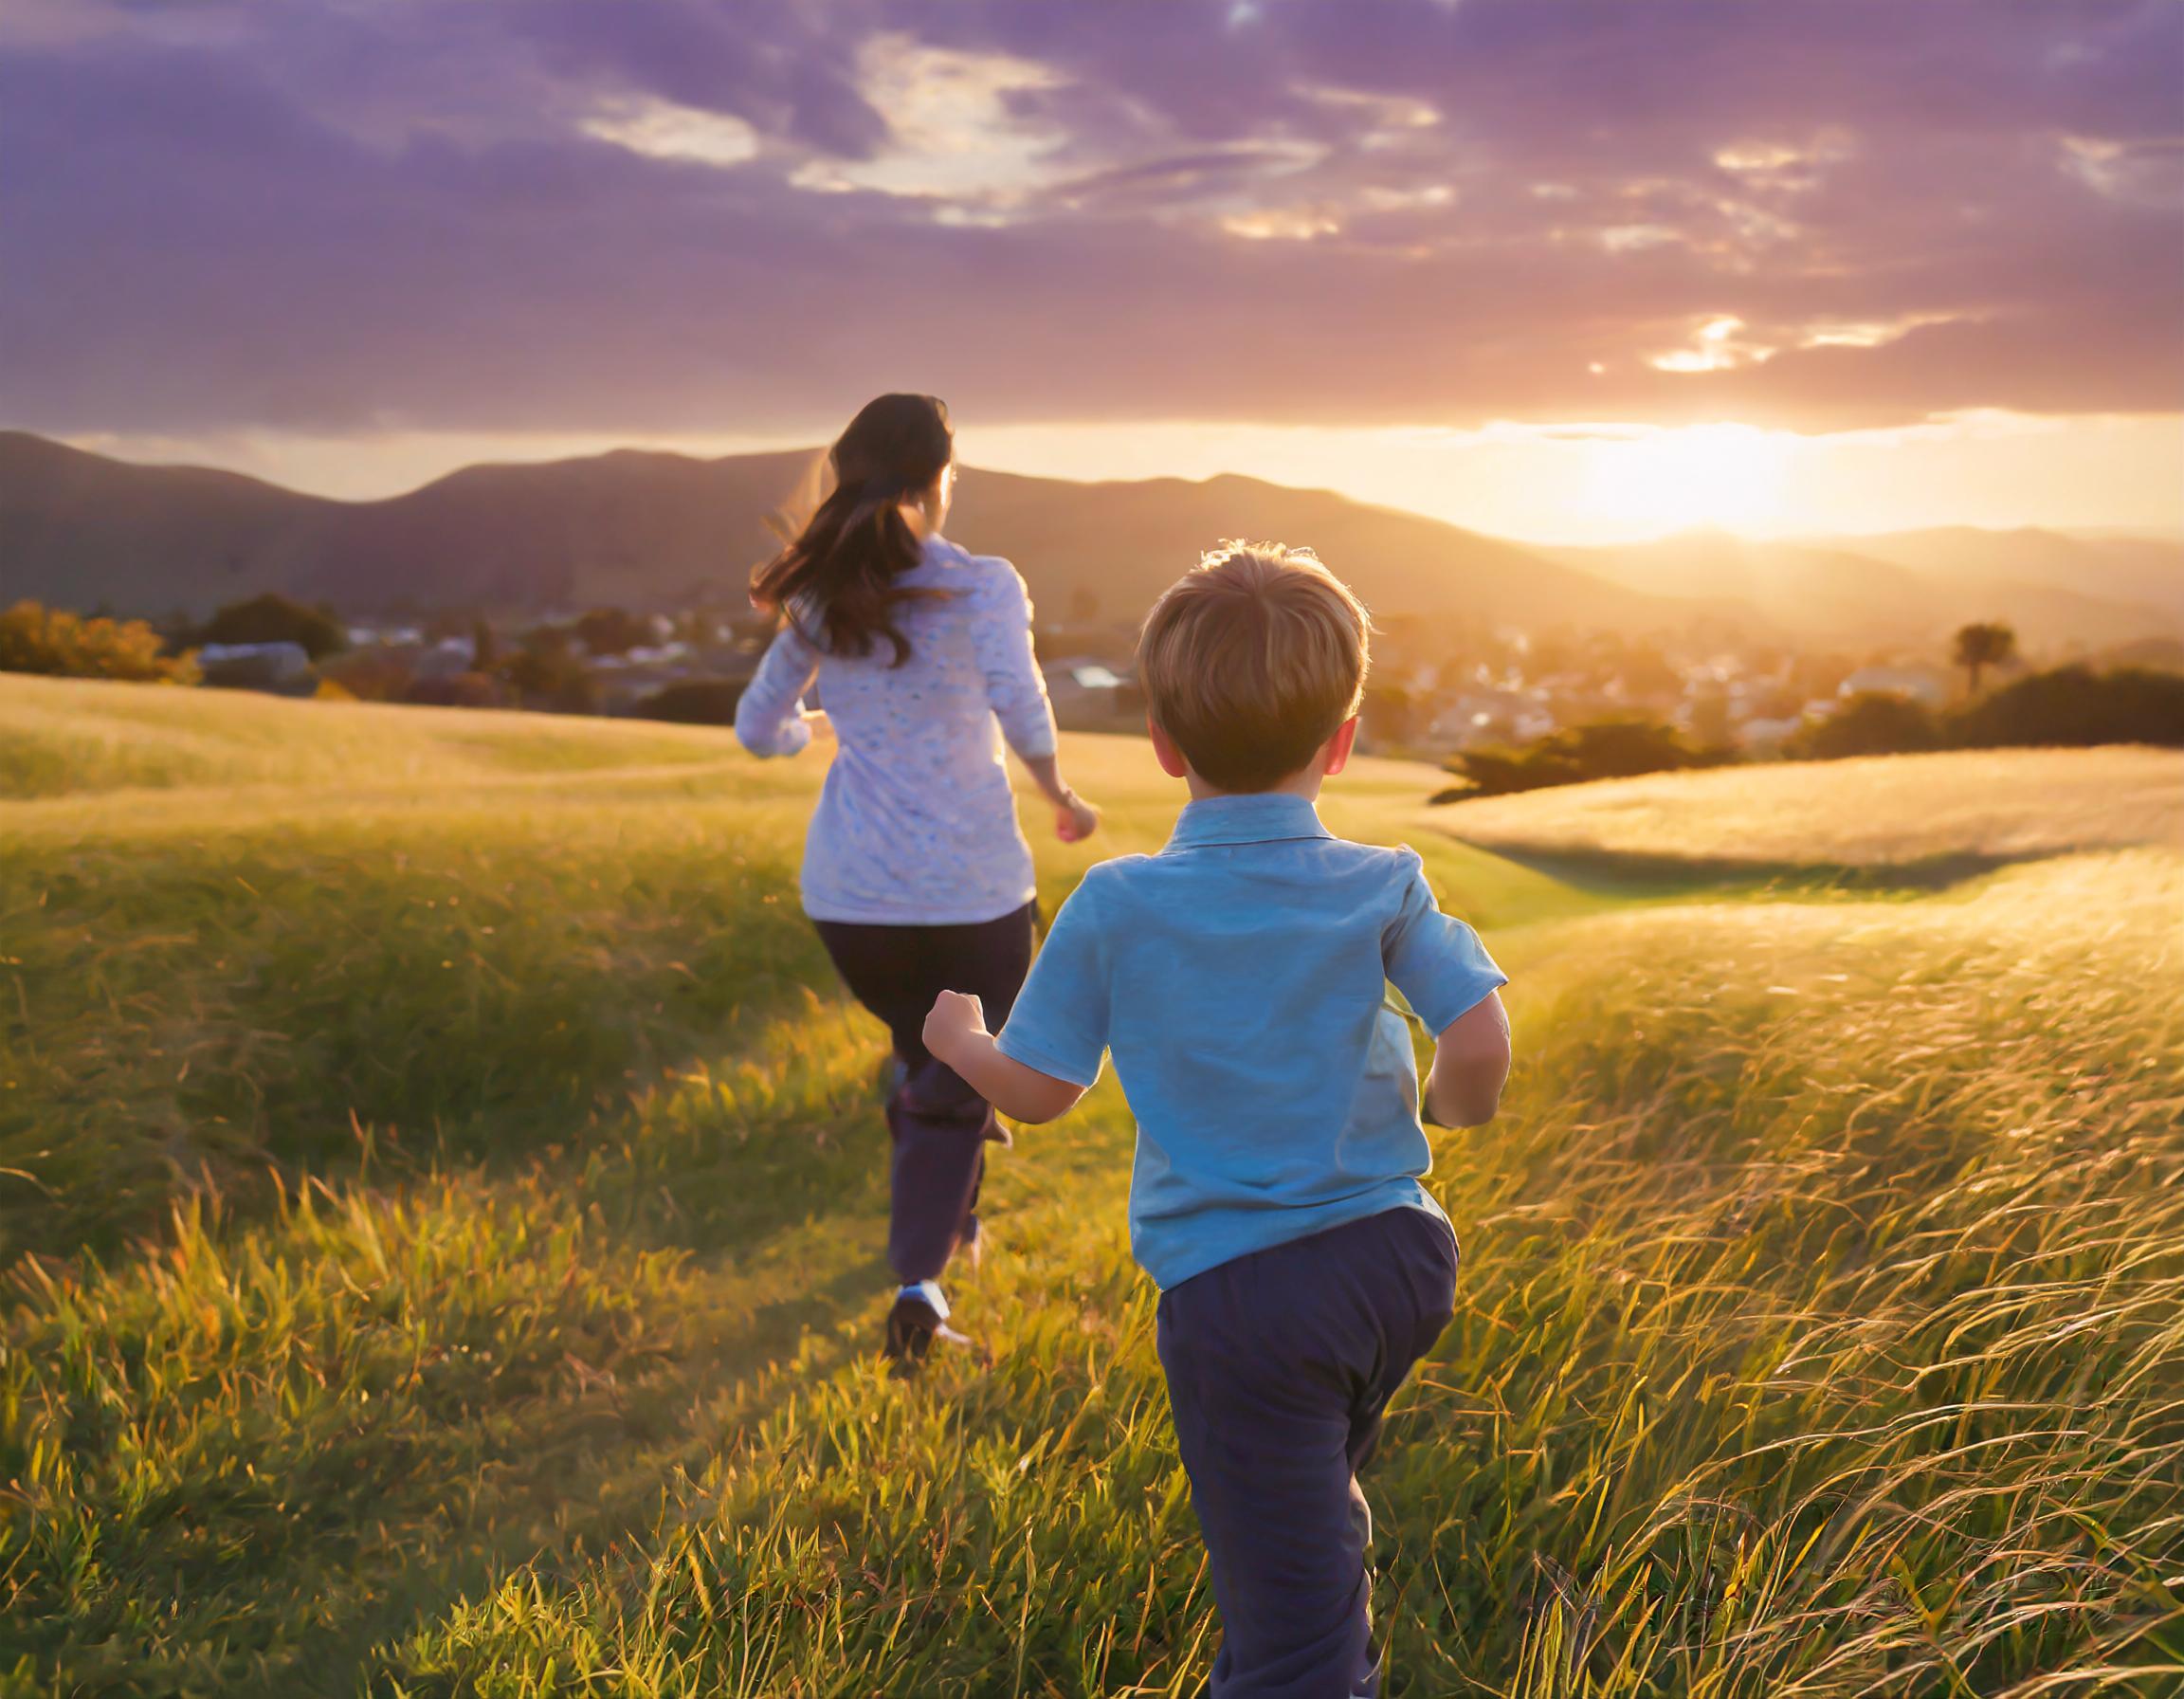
{"type": "Point", "coordinates": [938, 1126]}
{"type": "Point", "coordinates": [1279, 1366]}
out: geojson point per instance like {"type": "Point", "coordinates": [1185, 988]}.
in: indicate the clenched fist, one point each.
{"type": "Point", "coordinates": [956, 1018]}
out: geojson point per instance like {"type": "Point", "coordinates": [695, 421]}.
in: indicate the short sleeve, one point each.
{"type": "Point", "coordinates": [1059, 1023]}
{"type": "Point", "coordinates": [1435, 960]}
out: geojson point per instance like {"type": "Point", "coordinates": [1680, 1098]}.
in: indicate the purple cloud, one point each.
{"type": "Point", "coordinates": [655, 215]}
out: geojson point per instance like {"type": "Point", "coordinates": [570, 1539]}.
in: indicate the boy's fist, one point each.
{"type": "Point", "coordinates": [955, 1017]}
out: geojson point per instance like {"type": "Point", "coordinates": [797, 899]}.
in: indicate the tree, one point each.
{"type": "Point", "coordinates": [2075, 705]}
{"type": "Point", "coordinates": [1979, 646]}
{"type": "Point", "coordinates": [613, 631]}
{"type": "Point", "coordinates": [1872, 722]}
{"type": "Point", "coordinates": [52, 641]}
{"type": "Point", "coordinates": [274, 618]}
{"type": "Point", "coordinates": [547, 674]}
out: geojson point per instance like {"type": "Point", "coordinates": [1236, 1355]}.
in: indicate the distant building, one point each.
{"type": "Point", "coordinates": [281, 668]}
{"type": "Point", "coordinates": [1471, 718]}
{"type": "Point", "coordinates": [1088, 695]}
{"type": "Point", "coordinates": [1766, 736]}
{"type": "Point", "coordinates": [1920, 682]}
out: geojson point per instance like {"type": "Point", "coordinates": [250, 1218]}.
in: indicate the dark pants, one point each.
{"type": "Point", "coordinates": [938, 1126]}
{"type": "Point", "coordinates": [1279, 1366]}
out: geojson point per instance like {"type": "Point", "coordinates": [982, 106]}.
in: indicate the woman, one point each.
{"type": "Point", "coordinates": [915, 871]}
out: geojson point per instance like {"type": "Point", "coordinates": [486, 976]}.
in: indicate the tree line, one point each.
{"type": "Point", "coordinates": [2072, 705]}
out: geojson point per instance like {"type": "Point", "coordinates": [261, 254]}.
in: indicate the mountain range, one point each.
{"type": "Point", "coordinates": [659, 531]}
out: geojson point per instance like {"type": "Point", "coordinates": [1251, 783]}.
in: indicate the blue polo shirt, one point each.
{"type": "Point", "coordinates": [1240, 979]}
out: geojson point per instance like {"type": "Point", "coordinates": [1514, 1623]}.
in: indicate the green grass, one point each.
{"type": "Point", "coordinates": [443, 1190]}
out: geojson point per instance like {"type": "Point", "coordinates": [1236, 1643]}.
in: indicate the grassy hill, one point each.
{"type": "Point", "coordinates": [443, 1190]}
{"type": "Point", "coordinates": [1878, 816]}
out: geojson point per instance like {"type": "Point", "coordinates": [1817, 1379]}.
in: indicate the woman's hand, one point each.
{"type": "Point", "coordinates": [1074, 818]}
{"type": "Point", "coordinates": [820, 725]}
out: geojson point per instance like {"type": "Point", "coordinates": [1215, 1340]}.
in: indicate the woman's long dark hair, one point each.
{"type": "Point", "coordinates": [840, 582]}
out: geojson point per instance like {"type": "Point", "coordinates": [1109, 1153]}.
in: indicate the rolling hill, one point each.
{"type": "Point", "coordinates": [654, 530]}
{"type": "Point", "coordinates": [2131, 568]}
{"type": "Point", "coordinates": [1914, 586]}
{"type": "Point", "coordinates": [442, 1187]}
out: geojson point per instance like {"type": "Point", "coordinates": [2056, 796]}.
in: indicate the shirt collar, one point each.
{"type": "Point", "coordinates": [1261, 818]}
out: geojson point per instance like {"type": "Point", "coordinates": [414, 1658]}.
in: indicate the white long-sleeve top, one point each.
{"type": "Point", "coordinates": [916, 824]}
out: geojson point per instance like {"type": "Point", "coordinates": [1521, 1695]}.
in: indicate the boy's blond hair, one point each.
{"type": "Point", "coordinates": [1251, 661]}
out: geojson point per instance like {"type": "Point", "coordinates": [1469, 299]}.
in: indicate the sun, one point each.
{"type": "Point", "coordinates": [1671, 479]}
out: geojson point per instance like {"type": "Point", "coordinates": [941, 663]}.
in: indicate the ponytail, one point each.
{"type": "Point", "coordinates": [839, 582]}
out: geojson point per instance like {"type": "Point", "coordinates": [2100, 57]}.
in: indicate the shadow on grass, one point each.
{"type": "Point", "coordinates": [1634, 876]}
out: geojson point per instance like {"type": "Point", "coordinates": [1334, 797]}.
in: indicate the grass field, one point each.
{"type": "Point", "coordinates": [441, 1191]}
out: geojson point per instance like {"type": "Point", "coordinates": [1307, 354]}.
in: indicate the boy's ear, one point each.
{"type": "Point", "coordinates": [1165, 752]}
{"type": "Point", "coordinates": [1339, 746]}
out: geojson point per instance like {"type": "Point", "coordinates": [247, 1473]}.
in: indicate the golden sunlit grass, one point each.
{"type": "Point", "coordinates": [484, 1183]}
{"type": "Point", "coordinates": [1963, 807]}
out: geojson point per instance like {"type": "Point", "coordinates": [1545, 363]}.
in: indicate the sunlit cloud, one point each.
{"type": "Point", "coordinates": [2147, 174]}
{"type": "Point", "coordinates": [1636, 238]}
{"type": "Point", "coordinates": [1389, 117]}
{"type": "Point", "coordinates": [1868, 333]}
{"type": "Point", "coordinates": [1793, 167]}
{"type": "Point", "coordinates": [661, 129]}
{"type": "Point", "coordinates": [1282, 224]}
{"type": "Point", "coordinates": [1716, 346]}
{"type": "Point", "coordinates": [954, 133]}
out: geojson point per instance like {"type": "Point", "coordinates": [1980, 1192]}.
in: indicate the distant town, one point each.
{"type": "Point", "coordinates": [1502, 708]}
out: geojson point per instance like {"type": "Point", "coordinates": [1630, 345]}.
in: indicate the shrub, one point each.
{"type": "Point", "coordinates": [34, 638]}
{"type": "Point", "coordinates": [457, 691]}
{"type": "Point", "coordinates": [375, 674]}
{"type": "Point", "coordinates": [274, 618]}
{"type": "Point", "coordinates": [694, 701]}
{"type": "Point", "coordinates": [1604, 749]}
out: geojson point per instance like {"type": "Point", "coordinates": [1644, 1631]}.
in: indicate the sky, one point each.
{"type": "Point", "coordinates": [1552, 268]}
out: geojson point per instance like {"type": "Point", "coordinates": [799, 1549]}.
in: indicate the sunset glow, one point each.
{"type": "Point", "coordinates": [1728, 475]}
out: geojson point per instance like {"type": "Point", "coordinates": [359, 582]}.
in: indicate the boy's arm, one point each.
{"type": "Point", "coordinates": [955, 1032]}
{"type": "Point", "coordinates": [1470, 1066]}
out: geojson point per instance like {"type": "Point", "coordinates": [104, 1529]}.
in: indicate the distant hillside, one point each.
{"type": "Point", "coordinates": [648, 530]}
{"type": "Point", "coordinates": [1918, 586]}
{"type": "Point", "coordinates": [78, 529]}
{"type": "Point", "coordinates": [2130, 568]}
{"type": "Point", "coordinates": [665, 530]}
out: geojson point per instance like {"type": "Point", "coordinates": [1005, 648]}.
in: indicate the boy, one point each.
{"type": "Point", "coordinates": [1239, 978]}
